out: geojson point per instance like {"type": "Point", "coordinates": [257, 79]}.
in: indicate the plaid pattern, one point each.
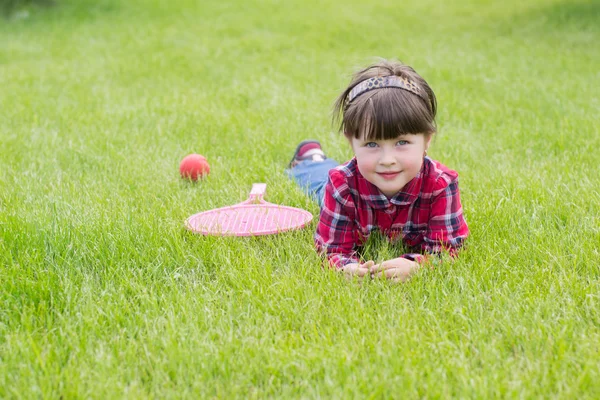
{"type": "Point", "coordinates": [426, 214]}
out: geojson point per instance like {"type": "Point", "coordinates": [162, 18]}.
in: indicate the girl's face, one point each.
{"type": "Point", "coordinates": [390, 164]}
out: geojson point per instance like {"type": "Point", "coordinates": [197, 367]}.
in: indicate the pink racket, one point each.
{"type": "Point", "coordinates": [252, 217]}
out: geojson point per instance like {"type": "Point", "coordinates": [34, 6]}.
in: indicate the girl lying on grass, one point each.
{"type": "Point", "coordinates": [387, 113]}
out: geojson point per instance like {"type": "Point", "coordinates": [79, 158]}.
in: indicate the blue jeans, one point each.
{"type": "Point", "coordinates": [312, 176]}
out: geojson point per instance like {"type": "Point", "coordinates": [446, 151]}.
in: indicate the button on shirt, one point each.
{"type": "Point", "coordinates": [426, 214]}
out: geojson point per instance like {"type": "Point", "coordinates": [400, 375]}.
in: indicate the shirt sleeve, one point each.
{"type": "Point", "coordinates": [336, 234]}
{"type": "Point", "coordinates": [447, 228]}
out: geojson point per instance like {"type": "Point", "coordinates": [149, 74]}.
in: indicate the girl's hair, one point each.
{"type": "Point", "coordinates": [386, 112]}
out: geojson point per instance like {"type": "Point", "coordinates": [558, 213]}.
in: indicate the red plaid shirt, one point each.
{"type": "Point", "coordinates": [426, 214]}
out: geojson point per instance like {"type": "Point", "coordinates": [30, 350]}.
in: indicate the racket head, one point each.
{"type": "Point", "coordinates": [248, 219]}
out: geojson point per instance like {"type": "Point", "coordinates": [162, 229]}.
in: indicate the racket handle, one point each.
{"type": "Point", "coordinates": [258, 191]}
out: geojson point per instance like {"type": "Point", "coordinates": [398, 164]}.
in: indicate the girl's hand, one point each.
{"type": "Point", "coordinates": [397, 269]}
{"type": "Point", "coordinates": [358, 270]}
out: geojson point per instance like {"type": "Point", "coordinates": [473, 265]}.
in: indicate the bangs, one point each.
{"type": "Point", "coordinates": [387, 114]}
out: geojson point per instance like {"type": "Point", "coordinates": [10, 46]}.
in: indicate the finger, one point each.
{"type": "Point", "coordinates": [363, 271]}
{"type": "Point", "coordinates": [398, 263]}
{"type": "Point", "coordinates": [367, 264]}
{"type": "Point", "coordinates": [375, 268]}
{"type": "Point", "coordinates": [387, 265]}
{"type": "Point", "coordinates": [397, 274]}
{"type": "Point", "coordinates": [400, 274]}
{"type": "Point", "coordinates": [382, 267]}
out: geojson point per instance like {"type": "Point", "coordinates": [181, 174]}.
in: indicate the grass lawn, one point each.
{"type": "Point", "coordinates": [105, 295]}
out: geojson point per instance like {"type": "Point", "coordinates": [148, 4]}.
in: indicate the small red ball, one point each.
{"type": "Point", "coordinates": [194, 166]}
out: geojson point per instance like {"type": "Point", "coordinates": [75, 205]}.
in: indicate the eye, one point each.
{"type": "Point", "coordinates": [402, 142]}
{"type": "Point", "coordinates": [370, 145]}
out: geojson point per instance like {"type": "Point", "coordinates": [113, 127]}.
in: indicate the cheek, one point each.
{"type": "Point", "coordinates": [365, 162]}
{"type": "Point", "coordinates": [412, 162]}
{"type": "Point", "coordinates": [416, 163]}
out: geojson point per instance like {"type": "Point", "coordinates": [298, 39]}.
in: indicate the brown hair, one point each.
{"type": "Point", "coordinates": [386, 113]}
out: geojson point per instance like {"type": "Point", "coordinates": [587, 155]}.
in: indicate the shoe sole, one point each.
{"type": "Point", "coordinates": [302, 143]}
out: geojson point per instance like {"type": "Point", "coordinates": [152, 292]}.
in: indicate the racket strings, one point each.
{"type": "Point", "coordinates": [256, 219]}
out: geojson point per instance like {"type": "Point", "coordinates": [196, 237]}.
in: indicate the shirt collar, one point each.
{"type": "Point", "coordinates": [374, 198]}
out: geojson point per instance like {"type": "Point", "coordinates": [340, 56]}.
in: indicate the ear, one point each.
{"type": "Point", "coordinates": [428, 138]}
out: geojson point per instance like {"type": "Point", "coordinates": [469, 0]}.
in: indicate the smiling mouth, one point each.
{"type": "Point", "coordinates": [388, 175]}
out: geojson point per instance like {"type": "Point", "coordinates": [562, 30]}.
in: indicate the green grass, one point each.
{"type": "Point", "coordinates": [105, 295]}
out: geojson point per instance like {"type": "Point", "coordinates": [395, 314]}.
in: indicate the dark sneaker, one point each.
{"type": "Point", "coordinates": [307, 150]}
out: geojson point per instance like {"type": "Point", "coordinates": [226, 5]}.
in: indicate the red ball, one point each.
{"type": "Point", "coordinates": [194, 166]}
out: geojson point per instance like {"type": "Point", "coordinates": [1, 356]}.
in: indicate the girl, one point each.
{"type": "Point", "coordinates": [387, 113]}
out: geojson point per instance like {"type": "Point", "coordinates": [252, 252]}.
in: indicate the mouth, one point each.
{"type": "Point", "coordinates": [388, 175]}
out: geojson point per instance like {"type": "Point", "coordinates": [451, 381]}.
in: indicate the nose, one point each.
{"type": "Point", "coordinates": [387, 157]}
